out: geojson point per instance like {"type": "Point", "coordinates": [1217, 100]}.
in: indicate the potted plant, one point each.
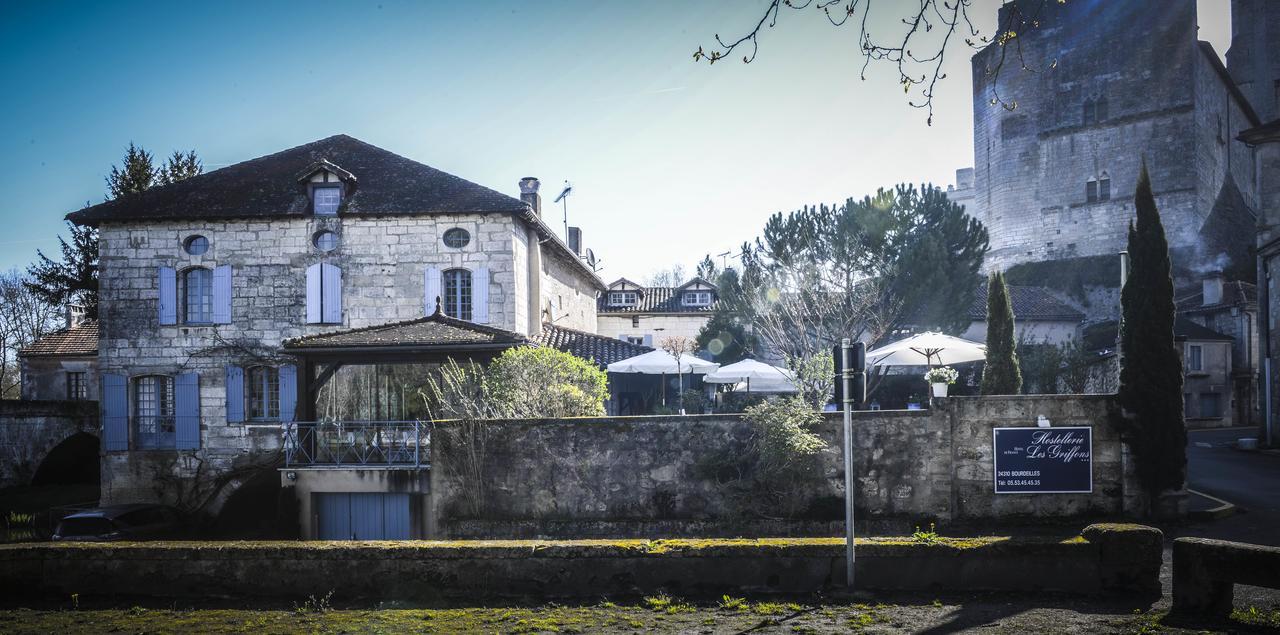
{"type": "Point", "coordinates": [914, 402]}
{"type": "Point", "coordinates": [940, 378]}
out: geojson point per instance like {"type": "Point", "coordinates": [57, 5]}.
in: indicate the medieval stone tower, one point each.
{"type": "Point", "coordinates": [1054, 177]}
{"type": "Point", "coordinates": [1254, 56]}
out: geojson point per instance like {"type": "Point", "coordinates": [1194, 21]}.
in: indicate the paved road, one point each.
{"type": "Point", "coordinates": [1251, 480]}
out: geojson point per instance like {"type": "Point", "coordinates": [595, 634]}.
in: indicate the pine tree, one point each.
{"type": "Point", "coordinates": [137, 175]}
{"type": "Point", "coordinates": [179, 166]}
{"type": "Point", "coordinates": [75, 278]}
{"type": "Point", "coordinates": [1001, 375]}
{"type": "Point", "coordinates": [1151, 369]}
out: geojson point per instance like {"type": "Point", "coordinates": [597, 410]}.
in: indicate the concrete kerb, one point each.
{"type": "Point", "coordinates": [1217, 507]}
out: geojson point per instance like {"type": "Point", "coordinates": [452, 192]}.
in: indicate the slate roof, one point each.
{"type": "Point", "coordinates": [1102, 335]}
{"type": "Point", "coordinates": [597, 349]}
{"type": "Point", "coordinates": [656, 300]}
{"type": "Point", "coordinates": [268, 186]}
{"type": "Point", "coordinates": [78, 341]}
{"type": "Point", "coordinates": [436, 331]}
{"type": "Point", "coordinates": [1267, 132]}
{"type": "Point", "coordinates": [1029, 303]}
{"type": "Point", "coordinates": [1234, 293]}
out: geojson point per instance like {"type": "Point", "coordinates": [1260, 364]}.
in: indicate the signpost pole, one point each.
{"type": "Point", "coordinates": [846, 350]}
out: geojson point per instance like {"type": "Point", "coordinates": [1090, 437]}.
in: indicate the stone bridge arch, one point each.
{"type": "Point", "coordinates": [31, 429]}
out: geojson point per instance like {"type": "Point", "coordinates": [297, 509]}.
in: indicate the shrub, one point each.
{"type": "Point", "coordinates": [532, 382]}
{"type": "Point", "coordinates": [783, 437]}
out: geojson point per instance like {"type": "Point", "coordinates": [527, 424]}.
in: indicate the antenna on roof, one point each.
{"type": "Point", "coordinates": [562, 199]}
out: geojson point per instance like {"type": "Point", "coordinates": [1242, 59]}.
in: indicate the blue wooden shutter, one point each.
{"type": "Point", "coordinates": [432, 289]}
{"type": "Point", "coordinates": [235, 394]}
{"type": "Point", "coordinates": [648, 341]}
{"type": "Point", "coordinates": [288, 393]}
{"type": "Point", "coordinates": [115, 413]}
{"type": "Point", "coordinates": [331, 283]}
{"type": "Point", "coordinates": [168, 285]}
{"type": "Point", "coordinates": [186, 406]}
{"type": "Point", "coordinates": [480, 295]}
{"type": "Point", "coordinates": [314, 316]}
{"type": "Point", "coordinates": [222, 294]}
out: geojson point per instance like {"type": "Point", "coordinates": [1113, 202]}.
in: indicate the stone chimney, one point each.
{"type": "Point", "coordinates": [529, 194]}
{"type": "Point", "coordinates": [1213, 284]}
{"type": "Point", "coordinates": [575, 240]}
{"type": "Point", "coordinates": [75, 315]}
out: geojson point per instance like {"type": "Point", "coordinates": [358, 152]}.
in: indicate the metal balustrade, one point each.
{"type": "Point", "coordinates": [356, 443]}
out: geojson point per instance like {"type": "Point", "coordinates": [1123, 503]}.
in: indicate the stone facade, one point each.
{"type": "Point", "coordinates": [1131, 84]}
{"type": "Point", "coordinates": [1254, 56]}
{"type": "Point", "coordinates": [30, 429]}
{"type": "Point", "coordinates": [654, 327]}
{"type": "Point", "coordinates": [46, 378]}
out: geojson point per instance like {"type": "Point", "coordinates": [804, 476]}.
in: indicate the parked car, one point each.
{"type": "Point", "coordinates": [121, 522]}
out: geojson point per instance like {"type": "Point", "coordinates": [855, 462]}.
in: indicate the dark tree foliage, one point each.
{"type": "Point", "coordinates": [918, 45]}
{"type": "Point", "coordinates": [725, 336]}
{"type": "Point", "coordinates": [179, 166]}
{"type": "Point", "coordinates": [1001, 375]}
{"type": "Point", "coordinates": [136, 175]}
{"type": "Point", "coordinates": [707, 269]}
{"type": "Point", "coordinates": [75, 277]}
{"type": "Point", "coordinates": [1151, 369]}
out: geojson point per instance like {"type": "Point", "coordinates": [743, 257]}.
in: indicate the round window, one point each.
{"type": "Point", "coordinates": [196, 245]}
{"type": "Point", "coordinates": [326, 241]}
{"type": "Point", "coordinates": [457, 238]}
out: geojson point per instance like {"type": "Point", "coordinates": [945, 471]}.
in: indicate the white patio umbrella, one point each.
{"type": "Point", "coordinates": [660, 362]}
{"type": "Point", "coordinates": [927, 349]}
{"type": "Point", "coordinates": [754, 374]}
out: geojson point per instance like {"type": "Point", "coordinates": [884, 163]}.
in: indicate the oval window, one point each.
{"type": "Point", "coordinates": [196, 245]}
{"type": "Point", "coordinates": [457, 238]}
{"type": "Point", "coordinates": [326, 241]}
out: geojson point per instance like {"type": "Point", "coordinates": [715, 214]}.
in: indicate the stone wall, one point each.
{"type": "Point", "coordinates": [30, 429]}
{"type": "Point", "coordinates": [632, 472]}
{"type": "Point", "coordinates": [658, 326]}
{"type": "Point", "coordinates": [45, 377]}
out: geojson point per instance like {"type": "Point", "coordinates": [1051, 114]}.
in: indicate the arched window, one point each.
{"type": "Point", "coordinates": [457, 293]}
{"type": "Point", "coordinates": [197, 296]}
{"type": "Point", "coordinates": [153, 411]}
{"type": "Point", "coordinates": [262, 394]}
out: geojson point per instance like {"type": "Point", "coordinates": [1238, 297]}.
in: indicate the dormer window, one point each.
{"type": "Point", "coordinates": [697, 298]}
{"type": "Point", "coordinates": [326, 199]}
{"type": "Point", "coordinates": [623, 298]}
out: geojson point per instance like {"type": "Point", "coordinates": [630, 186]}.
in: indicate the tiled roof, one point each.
{"type": "Point", "coordinates": [1029, 303]}
{"type": "Point", "coordinates": [433, 331]}
{"type": "Point", "coordinates": [387, 183]}
{"type": "Point", "coordinates": [1102, 335]}
{"type": "Point", "coordinates": [598, 349]}
{"type": "Point", "coordinates": [1234, 293]}
{"type": "Point", "coordinates": [79, 341]}
{"type": "Point", "coordinates": [656, 300]}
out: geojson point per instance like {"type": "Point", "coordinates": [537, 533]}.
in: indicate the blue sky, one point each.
{"type": "Point", "coordinates": [669, 159]}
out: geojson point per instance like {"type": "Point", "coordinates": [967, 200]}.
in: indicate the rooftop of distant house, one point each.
{"type": "Point", "coordinates": [597, 349]}
{"type": "Point", "coordinates": [626, 297]}
{"type": "Point", "coordinates": [1029, 303]}
{"type": "Point", "coordinates": [80, 340]}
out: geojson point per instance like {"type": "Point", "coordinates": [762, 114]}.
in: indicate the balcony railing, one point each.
{"type": "Point", "coordinates": [401, 444]}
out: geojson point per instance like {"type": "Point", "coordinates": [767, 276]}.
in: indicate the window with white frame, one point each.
{"type": "Point", "coordinates": [326, 200]}
{"type": "Point", "coordinates": [697, 298]}
{"type": "Point", "coordinates": [623, 298]}
{"type": "Point", "coordinates": [77, 389]}
{"type": "Point", "coordinates": [262, 393]}
{"type": "Point", "coordinates": [457, 294]}
{"type": "Point", "coordinates": [153, 412]}
{"type": "Point", "coordinates": [637, 340]}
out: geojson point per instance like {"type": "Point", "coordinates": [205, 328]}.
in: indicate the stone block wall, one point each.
{"type": "Point", "coordinates": [29, 429]}
{"type": "Point", "coordinates": [913, 466]}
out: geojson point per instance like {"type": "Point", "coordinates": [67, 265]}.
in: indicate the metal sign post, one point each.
{"type": "Point", "coordinates": [846, 359]}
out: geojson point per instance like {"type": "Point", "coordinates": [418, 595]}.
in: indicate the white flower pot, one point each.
{"type": "Point", "coordinates": [940, 389]}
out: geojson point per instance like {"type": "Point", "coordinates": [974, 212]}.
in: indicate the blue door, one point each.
{"type": "Point", "coordinates": [362, 516]}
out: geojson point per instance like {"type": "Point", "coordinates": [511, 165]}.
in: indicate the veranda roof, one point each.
{"type": "Point", "coordinates": [927, 349]}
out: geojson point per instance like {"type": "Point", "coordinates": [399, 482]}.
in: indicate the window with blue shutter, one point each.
{"type": "Point", "coordinates": [288, 393]}
{"type": "Point", "coordinates": [235, 394]}
{"type": "Point", "coordinates": [115, 413]}
{"type": "Point", "coordinates": [186, 402]}
{"type": "Point", "coordinates": [480, 295]}
{"type": "Point", "coordinates": [324, 294]}
{"type": "Point", "coordinates": [222, 295]}
{"type": "Point", "coordinates": [432, 290]}
{"type": "Point", "coordinates": [168, 285]}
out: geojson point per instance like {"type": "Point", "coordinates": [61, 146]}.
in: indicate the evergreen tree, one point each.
{"type": "Point", "coordinates": [137, 174]}
{"type": "Point", "coordinates": [725, 338]}
{"type": "Point", "coordinates": [179, 166]}
{"type": "Point", "coordinates": [75, 277]}
{"type": "Point", "coordinates": [1001, 375]}
{"type": "Point", "coordinates": [707, 269]}
{"type": "Point", "coordinates": [1151, 370]}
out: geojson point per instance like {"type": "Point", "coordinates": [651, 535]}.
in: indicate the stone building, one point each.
{"type": "Point", "coordinates": [644, 315]}
{"type": "Point", "coordinates": [317, 281]}
{"type": "Point", "coordinates": [62, 365]}
{"type": "Point", "coordinates": [1114, 84]}
{"type": "Point", "coordinates": [1040, 317]}
{"type": "Point", "coordinates": [1230, 309]}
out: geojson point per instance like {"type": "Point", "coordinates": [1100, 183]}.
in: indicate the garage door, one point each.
{"type": "Point", "coordinates": [362, 516]}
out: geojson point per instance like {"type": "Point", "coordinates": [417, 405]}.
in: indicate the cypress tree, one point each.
{"type": "Point", "coordinates": [1151, 369]}
{"type": "Point", "coordinates": [1001, 375]}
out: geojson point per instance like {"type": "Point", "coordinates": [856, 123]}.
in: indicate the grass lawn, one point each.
{"type": "Point", "coordinates": [653, 614]}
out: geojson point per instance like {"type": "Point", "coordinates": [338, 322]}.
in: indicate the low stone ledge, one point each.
{"type": "Point", "coordinates": [1205, 572]}
{"type": "Point", "coordinates": [427, 570]}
